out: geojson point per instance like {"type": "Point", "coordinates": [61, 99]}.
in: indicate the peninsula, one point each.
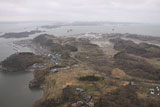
{"type": "Point", "coordinates": [92, 70]}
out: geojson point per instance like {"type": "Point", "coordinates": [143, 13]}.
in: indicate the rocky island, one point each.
{"type": "Point", "coordinates": [91, 70]}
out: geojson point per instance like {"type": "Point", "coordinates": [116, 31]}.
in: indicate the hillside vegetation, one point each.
{"type": "Point", "coordinates": [20, 61]}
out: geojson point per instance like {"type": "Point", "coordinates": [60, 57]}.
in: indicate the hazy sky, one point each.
{"type": "Point", "coordinates": [146, 11]}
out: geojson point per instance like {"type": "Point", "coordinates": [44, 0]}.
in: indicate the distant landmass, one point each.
{"type": "Point", "coordinates": [20, 34]}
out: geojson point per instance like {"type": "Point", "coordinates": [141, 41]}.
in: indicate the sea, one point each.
{"type": "Point", "coordinates": [14, 90]}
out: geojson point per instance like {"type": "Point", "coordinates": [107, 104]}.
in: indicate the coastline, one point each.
{"type": "Point", "coordinates": [50, 67]}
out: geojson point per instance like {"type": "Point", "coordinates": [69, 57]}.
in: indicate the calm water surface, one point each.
{"type": "Point", "coordinates": [14, 91]}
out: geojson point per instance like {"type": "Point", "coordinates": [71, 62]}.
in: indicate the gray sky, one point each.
{"type": "Point", "coordinates": [146, 11]}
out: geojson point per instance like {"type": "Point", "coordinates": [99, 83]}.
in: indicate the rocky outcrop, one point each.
{"type": "Point", "coordinates": [33, 84]}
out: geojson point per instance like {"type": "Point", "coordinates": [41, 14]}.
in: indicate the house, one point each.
{"type": "Point", "coordinates": [54, 70]}
{"type": "Point", "coordinates": [53, 61]}
{"type": "Point", "coordinates": [34, 65]}
{"type": "Point", "coordinates": [151, 89]}
{"type": "Point", "coordinates": [49, 55]}
{"type": "Point", "coordinates": [56, 63]}
{"type": "Point", "coordinates": [80, 89]}
{"type": "Point", "coordinates": [132, 83]}
{"type": "Point", "coordinates": [157, 88]}
{"type": "Point", "coordinates": [152, 92]}
{"type": "Point", "coordinates": [38, 65]}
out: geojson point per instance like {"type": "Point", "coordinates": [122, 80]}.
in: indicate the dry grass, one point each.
{"type": "Point", "coordinates": [154, 62]}
{"type": "Point", "coordinates": [109, 89]}
{"type": "Point", "coordinates": [55, 83]}
{"type": "Point", "coordinates": [118, 73]}
{"type": "Point", "coordinates": [107, 47]}
{"type": "Point", "coordinates": [141, 95]}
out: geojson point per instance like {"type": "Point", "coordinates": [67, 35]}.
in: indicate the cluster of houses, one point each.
{"type": "Point", "coordinates": [38, 65]}
{"type": "Point", "coordinates": [54, 57]}
{"type": "Point", "coordinates": [47, 53]}
{"type": "Point", "coordinates": [155, 91]}
{"type": "Point", "coordinates": [53, 60]}
{"type": "Point", "coordinates": [54, 70]}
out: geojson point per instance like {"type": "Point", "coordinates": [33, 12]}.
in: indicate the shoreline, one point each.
{"type": "Point", "coordinates": [49, 65]}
